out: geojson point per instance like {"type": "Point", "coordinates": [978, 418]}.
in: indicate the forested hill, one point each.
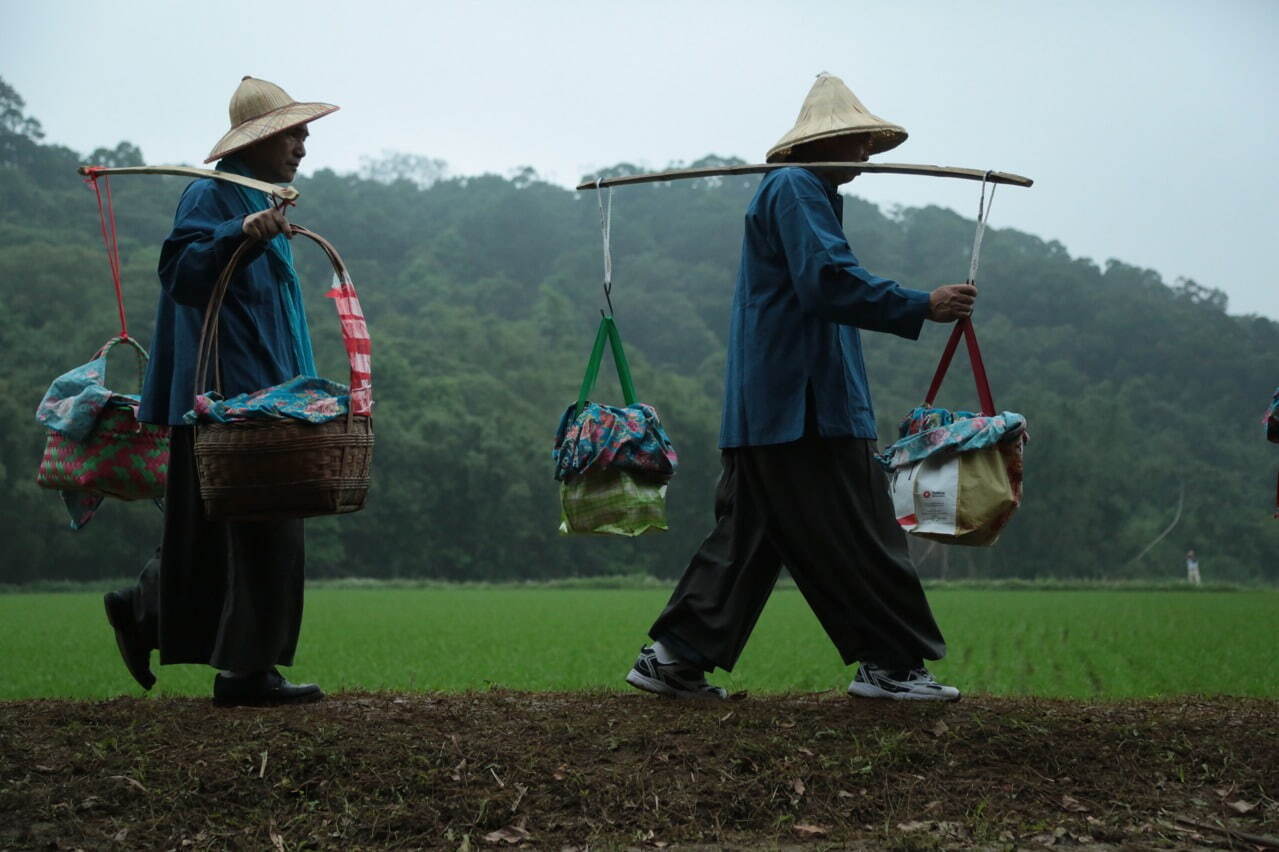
{"type": "Point", "coordinates": [483, 295]}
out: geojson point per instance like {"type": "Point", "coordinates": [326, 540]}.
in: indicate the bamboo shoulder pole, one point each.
{"type": "Point", "coordinates": [286, 193]}
{"type": "Point", "coordinates": [869, 168]}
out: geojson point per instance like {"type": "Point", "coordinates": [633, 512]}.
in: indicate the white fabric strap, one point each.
{"type": "Point", "coordinates": [983, 213]}
{"type": "Point", "coordinates": [606, 229]}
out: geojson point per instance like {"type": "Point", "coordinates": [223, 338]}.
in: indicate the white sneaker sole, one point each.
{"type": "Point", "coordinates": [640, 681]}
{"type": "Point", "coordinates": [857, 689]}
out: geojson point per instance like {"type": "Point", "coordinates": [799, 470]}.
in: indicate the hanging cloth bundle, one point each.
{"type": "Point", "coordinates": [956, 476]}
{"type": "Point", "coordinates": [95, 447]}
{"type": "Point", "coordinates": [613, 463]}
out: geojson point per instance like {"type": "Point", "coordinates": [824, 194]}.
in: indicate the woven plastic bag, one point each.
{"type": "Point", "coordinates": [612, 502]}
{"type": "Point", "coordinates": [95, 442]}
{"type": "Point", "coordinates": [956, 476]}
{"type": "Point", "coordinates": [613, 462]}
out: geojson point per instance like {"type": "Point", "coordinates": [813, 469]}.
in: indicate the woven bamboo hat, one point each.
{"type": "Point", "coordinates": [260, 109]}
{"type": "Point", "coordinates": [831, 109]}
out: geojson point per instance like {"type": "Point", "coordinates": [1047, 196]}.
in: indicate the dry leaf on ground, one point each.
{"type": "Point", "coordinates": [512, 834]}
{"type": "Point", "coordinates": [1070, 803]}
{"type": "Point", "coordinates": [809, 830]}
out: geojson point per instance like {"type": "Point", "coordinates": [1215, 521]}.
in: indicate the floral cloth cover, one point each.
{"type": "Point", "coordinates": [73, 402]}
{"type": "Point", "coordinates": [307, 398]}
{"type": "Point", "coordinates": [926, 431]}
{"type": "Point", "coordinates": [608, 436]}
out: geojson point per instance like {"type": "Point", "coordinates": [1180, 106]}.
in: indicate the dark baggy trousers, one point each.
{"type": "Point", "coordinates": [228, 594]}
{"type": "Point", "coordinates": [821, 507]}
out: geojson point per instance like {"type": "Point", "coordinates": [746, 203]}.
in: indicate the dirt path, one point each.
{"type": "Point", "coordinates": [615, 770]}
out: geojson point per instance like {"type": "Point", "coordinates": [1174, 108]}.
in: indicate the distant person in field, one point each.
{"type": "Point", "coordinates": [1192, 567]}
{"type": "Point", "coordinates": [800, 486]}
{"type": "Point", "coordinates": [225, 594]}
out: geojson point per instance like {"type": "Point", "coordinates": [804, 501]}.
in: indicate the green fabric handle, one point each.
{"type": "Point", "coordinates": [608, 332]}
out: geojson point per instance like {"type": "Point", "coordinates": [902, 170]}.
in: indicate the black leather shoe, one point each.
{"type": "Point", "coordinates": [134, 649]}
{"type": "Point", "coordinates": [262, 689]}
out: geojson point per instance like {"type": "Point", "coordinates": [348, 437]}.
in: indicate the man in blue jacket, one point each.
{"type": "Point", "coordinates": [800, 486]}
{"type": "Point", "coordinates": [225, 594]}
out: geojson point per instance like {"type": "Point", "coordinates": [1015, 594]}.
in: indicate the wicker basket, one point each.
{"type": "Point", "coordinates": [275, 469]}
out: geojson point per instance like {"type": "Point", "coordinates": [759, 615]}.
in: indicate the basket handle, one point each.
{"type": "Point", "coordinates": [354, 331]}
{"type": "Point", "coordinates": [140, 352]}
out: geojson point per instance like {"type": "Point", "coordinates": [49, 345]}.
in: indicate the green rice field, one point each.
{"type": "Point", "coordinates": [1079, 644]}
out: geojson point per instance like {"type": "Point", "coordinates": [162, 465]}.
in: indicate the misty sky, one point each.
{"type": "Point", "coordinates": [1148, 126]}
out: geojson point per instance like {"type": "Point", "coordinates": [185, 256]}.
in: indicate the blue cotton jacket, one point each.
{"type": "Point", "coordinates": [801, 297]}
{"type": "Point", "coordinates": [255, 340]}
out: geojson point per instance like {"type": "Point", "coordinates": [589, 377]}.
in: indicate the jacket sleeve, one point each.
{"type": "Point", "coordinates": [205, 235]}
{"type": "Point", "coordinates": [828, 279]}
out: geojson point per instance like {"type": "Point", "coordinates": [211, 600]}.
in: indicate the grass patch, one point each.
{"type": "Point", "coordinates": [647, 581]}
{"type": "Point", "coordinates": [1091, 643]}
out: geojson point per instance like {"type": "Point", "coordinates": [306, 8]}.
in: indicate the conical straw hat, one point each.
{"type": "Point", "coordinates": [260, 109]}
{"type": "Point", "coordinates": [831, 109]}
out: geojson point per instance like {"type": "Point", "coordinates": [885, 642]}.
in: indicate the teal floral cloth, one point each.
{"type": "Point", "coordinates": [611, 437]}
{"type": "Point", "coordinates": [73, 402]}
{"type": "Point", "coordinates": [926, 431]}
{"type": "Point", "coordinates": [306, 398]}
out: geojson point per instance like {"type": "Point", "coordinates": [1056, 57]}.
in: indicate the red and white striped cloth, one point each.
{"type": "Point", "coordinates": [359, 348]}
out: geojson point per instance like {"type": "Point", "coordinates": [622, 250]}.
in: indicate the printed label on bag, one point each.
{"type": "Point", "coordinates": [926, 495]}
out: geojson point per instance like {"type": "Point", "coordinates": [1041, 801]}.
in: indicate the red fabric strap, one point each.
{"type": "Point", "coordinates": [110, 242]}
{"type": "Point", "coordinates": [963, 328]}
{"type": "Point", "coordinates": [359, 348]}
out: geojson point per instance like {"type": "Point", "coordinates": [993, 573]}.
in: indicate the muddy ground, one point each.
{"type": "Point", "coordinates": [502, 769]}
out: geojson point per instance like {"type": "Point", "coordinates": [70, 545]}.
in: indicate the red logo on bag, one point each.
{"type": "Point", "coordinates": [928, 494]}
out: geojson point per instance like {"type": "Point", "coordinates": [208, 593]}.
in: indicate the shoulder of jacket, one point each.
{"type": "Point", "coordinates": [793, 182]}
{"type": "Point", "coordinates": [785, 188]}
{"type": "Point", "coordinates": [794, 176]}
{"type": "Point", "coordinates": [205, 192]}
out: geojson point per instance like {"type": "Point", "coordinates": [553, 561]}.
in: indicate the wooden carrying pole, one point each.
{"type": "Point", "coordinates": [870, 168]}
{"type": "Point", "coordinates": [285, 193]}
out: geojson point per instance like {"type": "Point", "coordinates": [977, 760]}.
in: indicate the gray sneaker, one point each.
{"type": "Point", "coordinates": [674, 680]}
{"type": "Point", "coordinates": [916, 684]}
